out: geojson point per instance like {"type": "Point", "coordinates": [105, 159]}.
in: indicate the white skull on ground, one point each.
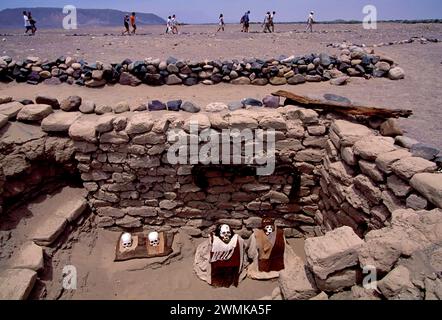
{"type": "Point", "coordinates": [225, 233]}
{"type": "Point", "coordinates": [126, 240]}
{"type": "Point", "coordinates": [154, 238]}
{"type": "Point", "coordinates": [268, 229]}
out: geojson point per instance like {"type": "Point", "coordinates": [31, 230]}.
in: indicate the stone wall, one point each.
{"type": "Point", "coordinates": [352, 61]}
{"type": "Point", "coordinates": [350, 174]}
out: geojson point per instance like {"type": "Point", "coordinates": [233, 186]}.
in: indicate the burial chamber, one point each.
{"type": "Point", "coordinates": [310, 170]}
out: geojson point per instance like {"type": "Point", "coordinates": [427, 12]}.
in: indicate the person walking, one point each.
{"type": "Point", "coordinates": [272, 23]}
{"type": "Point", "coordinates": [126, 25]}
{"type": "Point", "coordinates": [133, 23]}
{"type": "Point", "coordinates": [221, 23]}
{"type": "Point", "coordinates": [266, 23]}
{"type": "Point", "coordinates": [174, 25]}
{"type": "Point", "coordinates": [169, 25]}
{"type": "Point", "coordinates": [245, 20]}
{"type": "Point", "coordinates": [32, 22]}
{"type": "Point", "coordinates": [28, 26]}
{"type": "Point", "coordinates": [310, 22]}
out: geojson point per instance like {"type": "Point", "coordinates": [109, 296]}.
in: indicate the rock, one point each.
{"type": "Point", "coordinates": [251, 102]}
{"type": "Point", "coordinates": [129, 222]}
{"type": "Point", "coordinates": [424, 151]}
{"type": "Point", "coordinates": [83, 130]}
{"type": "Point", "coordinates": [391, 128]}
{"type": "Point", "coordinates": [16, 284]}
{"type": "Point", "coordinates": [52, 81]}
{"type": "Point", "coordinates": [11, 109]}
{"type": "Point", "coordinates": [278, 81]}
{"type": "Point", "coordinates": [235, 105]}
{"type": "Point", "coordinates": [190, 107]}
{"type": "Point", "coordinates": [127, 79]}
{"type": "Point", "coordinates": [271, 101]}
{"type": "Point", "coordinates": [104, 222]}
{"type": "Point", "coordinates": [386, 160]}
{"type": "Point", "coordinates": [307, 116]}
{"type": "Point", "coordinates": [309, 155]}
{"type": "Point", "coordinates": [260, 81]}
{"type": "Point", "coordinates": [321, 296]}
{"type": "Point", "coordinates": [367, 188]}
{"type": "Point", "coordinates": [336, 250]}
{"type": "Point", "coordinates": [430, 186]}
{"type": "Point", "coordinates": [3, 120]}
{"type": "Point", "coordinates": [396, 73]}
{"type": "Point", "coordinates": [174, 105]}
{"type": "Point", "coordinates": [156, 105]}
{"type": "Point", "coordinates": [276, 122]}
{"type": "Point", "coordinates": [30, 257]}
{"type": "Point", "coordinates": [216, 107]}
{"type": "Point", "coordinates": [34, 112]}
{"type": "Point", "coordinates": [296, 79]}
{"type": "Point", "coordinates": [114, 137]}
{"type": "Point", "coordinates": [383, 66]}
{"type": "Point", "coordinates": [315, 78]}
{"type": "Point", "coordinates": [371, 170]}
{"type": "Point", "coordinates": [399, 187]}
{"type": "Point", "coordinates": [370, 147]}
{"type": "Point", "coordinates": [397, 285]}
{"type": "Point", "coordinates": [71, 103]}
{"type": "Point", "coordinates": [296, 281]}
{"type": "Point", "coordinates": [59, 121]}
{"type": "Point", "coordinates": [241, 81]}
{"type": "Point", "coordinates": [94, 83]}
{"type": "Point", "coordinates": [405, 142]}
{"type": "Point", "coordinates": [408, 167]}
{"type": "Point", "coordinates": [103, 109]}
{"type": "Point", "coordinates": [139, 123]}
{"type": "Point", "coordinates": [360, 293]}
{"type": "Point", "coordinates": [87, 106]}
{"type": "Point", "coordinates": [72, 209]}
{"type": "Point", "coordinates": [416, 202]}
{"type": "Point", "coordinates": [48, 232]}
{"type": "Point", "coordinates": [40, 99]}
{"type": "Point", "coordinates": [337, 281]}
{"type": "Point", "coordinates": [121, 107]}
{"type": "Point", "coordinates": [110, 212]}
{"type": "Point", "coordinates": [5, 99]}
{"type": "Point", "coordinates": [324, 59]}
{"type": "Point", "coordinates": [173, 79]}
{"type": "Point", "coordinates": [340, 81]}
{"type": "Point", "coordinates": [349, 132]}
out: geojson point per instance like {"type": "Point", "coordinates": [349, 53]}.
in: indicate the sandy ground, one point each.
{"type": "Point", "coordinates": [420, 91]}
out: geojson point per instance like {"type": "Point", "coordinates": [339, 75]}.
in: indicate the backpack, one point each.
{"type": "Point", "coordinates": [243, 18]}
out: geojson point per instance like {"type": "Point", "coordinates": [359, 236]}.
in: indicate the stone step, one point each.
{"type": "Point", "coordinates": [16, 284]}
{"type": "Point", "coordinates": [30, 257]}
{"type": "Point", "coordinates": [48, 231]}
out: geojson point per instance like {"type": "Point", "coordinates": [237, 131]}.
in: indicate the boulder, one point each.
{"type": "Point", "coordinates": [16, 284]}
{"type": "Point", "coordinates": [216, 107]}
{"type": "Point", "coordinates": [121, 107]}
{"type": "Point", "coordinates": [391, 128]}
{"type": "Point", "coordinates": [369, 148]}
{"type": "Point", "coordinates": [408, 167]}
{"type": "Point", "coordinates": [424, 151]}
{"type": "Point", "coordinates": [190, 107]}
{"type": "Point", "coordinates": [34, 112]}
{"type": "Point", "coordinates": [396, 73]}
{"type": "Point", "coordinates": [296, 79]}
{"type": "Point", "coordinates": [241, 81]}
{"type": "Point", "coordinates": [83, 130]}
{"type": "Point", "coordinates": [59, 121]}
{"type": "Point", "coordinates": [47, 232]}
{"type": "Point", "coordinates": [87, 106]}
{"type": "Point", "coordinates": [30, 256]}
{"type": "Point", "coordinates": [385, 160]}
{"type": "Point", "coordinates": [349, 132]}
{"type": "Point", "coordinates": [71, 103]}
{"type": "Point", "coordinates": [338, 281]}
{"type": "Point", "coordinates": [11, 109]}
{"type": "Point", "coordinates": [3, 120]}
{"type": "Point", "coordinates": [174, 105]}
{"type": "Point", "coordinates": [102, 109]}
{"type": "Point", "coordinates": [430, 186]}
{"type": "Point", "coordinates": [340, 81]}
{"type": "Point", "coordinates": [53, 102]}
{"type": "Point", "coordinates": [271, 101]}
{"type": "Point", "coordinates": [296, 282]}
{"type": "Point", "coordinates": [127, 79]}
{"type": "Point", "coordinates": [336, 250]}
{"type": "Point", "coordinates": [397, 285]}
{"type": "Point", "coordinates": [5, 99]}
{"type": "Point", "coordinates": [139, 123]}
{"type": "Point", "coordinates": [129, 222]}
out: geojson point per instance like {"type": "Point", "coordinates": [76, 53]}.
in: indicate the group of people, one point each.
{"type": "Point", "coordinates": [172, 25]}
{"type": "Point", "coordinates": [29, 23]}
{"type": "Point", "coordinates": [268, 24]}
{"type": "Point", "coordinates": [132, 21]}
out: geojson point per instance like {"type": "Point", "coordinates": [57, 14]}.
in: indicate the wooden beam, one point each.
{"type": "Point", "coordinates": [342, 107]}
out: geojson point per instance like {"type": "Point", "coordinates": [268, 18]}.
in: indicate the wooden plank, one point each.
{"type": "Point", "coordinates": [341, 107]}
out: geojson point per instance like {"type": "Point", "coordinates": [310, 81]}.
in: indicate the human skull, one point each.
{"type": "Point", "coordinates": [268, 229]}
{"type": "Point", "coordinates": [126, 240]}
{"type": "Point", "coordinates": [154, 238]}
{"type": "Point", "coordinates": [225, 233]}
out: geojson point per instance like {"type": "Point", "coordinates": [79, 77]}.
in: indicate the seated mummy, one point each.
{"type": "Point", "coordinates": [268, 250]}
{"type": "Point", "coordinates": [220, 260]}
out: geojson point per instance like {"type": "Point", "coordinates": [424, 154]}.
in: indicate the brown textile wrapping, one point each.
{"type": "Point", "coordinates": [275, 262]}
{"type": "Point", "coordinates": [226, 273]}
{"type": "Point", "coordinates": [143, 249]}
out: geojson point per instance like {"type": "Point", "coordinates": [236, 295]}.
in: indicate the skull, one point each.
{"type": "Point", "coordinates": [225, 233]}
{"type": "Point", "coordinates": [154, 238]}
{"type": "Point", "coordinates": [268, 229]}
{"type": "Point", "coordinates": [126, 240]}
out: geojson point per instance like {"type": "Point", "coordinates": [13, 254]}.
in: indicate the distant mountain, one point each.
{"type": "Point", "coordinates": [53, 17]}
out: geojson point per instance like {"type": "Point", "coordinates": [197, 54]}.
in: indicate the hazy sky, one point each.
{"type": "Point", "coordinates": [199, 11]}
